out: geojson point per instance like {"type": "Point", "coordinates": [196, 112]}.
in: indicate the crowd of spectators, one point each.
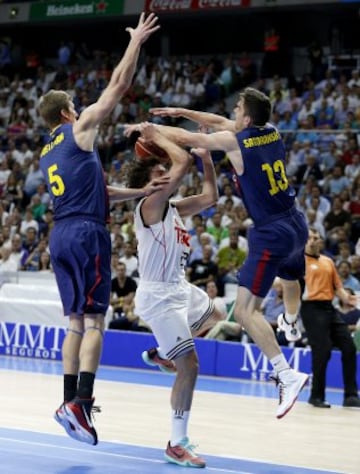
{"type": "Point", "coordinates": [320, 122]}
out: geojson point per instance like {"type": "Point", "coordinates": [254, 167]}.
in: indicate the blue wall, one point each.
{"type": "Point", "coordinates": [122, 348]}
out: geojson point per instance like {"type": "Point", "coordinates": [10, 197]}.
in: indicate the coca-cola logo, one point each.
{"type": "Point", "coordinates": [155, 5]}
{"type": "Point", "coordinates": [219, 3]}
{"type": "Point", "coordinates": [171, 5]}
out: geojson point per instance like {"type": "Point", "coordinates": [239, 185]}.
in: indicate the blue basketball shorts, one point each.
{"type": "Point", "coordinates": [80, 253]}
{"type": "Point", "coordinates": [275, 249]}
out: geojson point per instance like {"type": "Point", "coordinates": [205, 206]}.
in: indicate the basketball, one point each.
{"type": "Point", "coordinates": [144, 150]}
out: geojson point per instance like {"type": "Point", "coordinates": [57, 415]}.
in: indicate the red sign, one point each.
{"type": "Point", "coordinates": [185, 5]}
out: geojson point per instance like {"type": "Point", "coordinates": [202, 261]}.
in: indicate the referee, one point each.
{"type": "Point", "coordinates": [324, 326]}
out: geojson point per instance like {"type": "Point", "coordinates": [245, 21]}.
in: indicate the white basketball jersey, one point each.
{"type": "Point", "coordinates": [163, 248]}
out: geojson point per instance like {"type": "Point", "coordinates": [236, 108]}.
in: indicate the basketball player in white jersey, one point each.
{"type": "Point", "coordinates": [165, 300]}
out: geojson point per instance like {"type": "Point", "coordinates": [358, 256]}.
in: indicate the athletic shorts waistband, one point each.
{"type": "Point", "coordinates": [78, 218]}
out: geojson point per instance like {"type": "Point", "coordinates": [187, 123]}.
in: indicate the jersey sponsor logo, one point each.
{"type": "Point", "coordinates": [182, 237]}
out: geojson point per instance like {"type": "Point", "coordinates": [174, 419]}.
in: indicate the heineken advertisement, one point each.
{"type": "Point", "coordinates": [73, 9]}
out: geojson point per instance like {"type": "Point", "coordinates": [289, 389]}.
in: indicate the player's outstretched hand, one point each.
{"type": "Point", "coordinates": [202, 153]}
{"type": "Point", "coordinates": [155, 185]}
{"type": "Point", "coordinates": [129, 129]}
{"type": "Point", "coordinates": [145, 27]}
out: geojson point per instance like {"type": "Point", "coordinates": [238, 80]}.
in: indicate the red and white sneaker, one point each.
{"type": "Point", "coordinates": [61, 417]}
{"type": "Point", "coordinates": [183, 454]}
{"type": "Point", "coordinates": [151, 357]}
{"type": "Point", "coordinates": [78, 413]}
{"type": "Point", "coordinates": [290, 384]}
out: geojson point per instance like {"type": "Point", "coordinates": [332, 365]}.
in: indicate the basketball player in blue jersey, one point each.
{"type": "Point", "coordinates": [278, 237]}
{"type": "Point", "coordinates": [173, 308]}
{"type": "Point", "coordinates": [80, 243]}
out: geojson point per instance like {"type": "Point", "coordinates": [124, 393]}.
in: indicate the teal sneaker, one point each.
{"type": "Point", "coordinates": [183, 454]}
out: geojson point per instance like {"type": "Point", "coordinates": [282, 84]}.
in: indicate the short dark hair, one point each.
{"type": "Point", "coordinates": [137, 173]}
{"type": "Point", "coordinates": [257, 105]}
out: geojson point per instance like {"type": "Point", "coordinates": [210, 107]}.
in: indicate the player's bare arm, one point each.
{"type": "Point", "coordinates": [123, 194]}
{"type": "Point", "coordinates": [213, 121]}
{"type": "Point", "coordinates": [209, 194]}
{"type": "Point", "coordinates": [121, 77]}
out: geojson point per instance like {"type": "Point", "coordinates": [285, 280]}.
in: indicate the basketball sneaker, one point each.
{"type": "Point", "coordinates": [78, 413]}
{"type": "Point", "coordinates": [60, 416]}
{"type": "Point", "coordinates": [183, 454]}
{"type": "Point", "coordinates": [291, 330]}
{"type": "Point", "coordinates": [290, 384]}
{"type": "Point", "coordinates": [151, 357]}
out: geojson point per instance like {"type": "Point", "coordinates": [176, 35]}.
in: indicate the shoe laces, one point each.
{"type": "Point", "coordinates": [280, 384]}
{"type": "Point", "coordinates": [186, 444]}
{"type": "Point", "coordinates": [95, 409]}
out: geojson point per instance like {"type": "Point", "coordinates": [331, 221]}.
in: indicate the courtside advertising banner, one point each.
{"type": "Point", "coordinates": [124, 348]}
{"type": "Point", "coordinates": [196, 5]}
{"type": "Point", "coordinates": [75, 9]}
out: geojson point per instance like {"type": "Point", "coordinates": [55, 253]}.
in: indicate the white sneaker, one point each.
{"type": "Point", "coordinates": [290, 385]}
{"type": "Point", "coordinates": [291, 330]}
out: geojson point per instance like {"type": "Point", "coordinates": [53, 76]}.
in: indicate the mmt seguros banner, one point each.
{"type": "Point", "coordinates": [124, 348]}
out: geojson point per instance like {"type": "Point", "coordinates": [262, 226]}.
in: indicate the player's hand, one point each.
{"type": "Point", "coordinates": [148, 131]}
{"type": "Point", "coordinates": [166, 111]}
{"type": "Point", "coordinates": [202, 153]}
{"type": "Point", "coordinates": [145, 27]}
{"type": "Point", "coordinates": [155, 185]}
{"type": "Point", "coordinates": [129, 129]}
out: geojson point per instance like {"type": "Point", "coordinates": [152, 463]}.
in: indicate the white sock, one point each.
{"type": "Point", "coordinates": [279, 363]}
{"type": "Point", "coordinates": [161, 353]}
{"type": "Point", "coordinates": [290, 318]}
{"type": "Point", "coordinates": [179, 424]}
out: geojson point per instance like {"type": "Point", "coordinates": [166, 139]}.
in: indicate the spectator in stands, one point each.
{"type": "Point", "coordinates": [30, 239]}
{"type": "Point", "coordinates": [228, 194]}
{"type": "Point", "coordinates": [130, 259]}
{"type": "Point", "coordinates": [337, 217]}
{"type": "Point", "coordinates": [197, 253]}
{"type": "Point", "coordinates": [18, 253]}
{"type": "Point", "coordinates": [28, 221]}
{"type": "Point", "coordinates": [123, 289]}
{"type": "Point", "coordinates": [323, 325]}
{"type": "Point", "coordinates": [350, 314]}
{"type": "Point", "coordinates": [348, 280]}
{"type": "Point", "coordinates": [336, 182]}
{"type": "Point", "coordinates": [324, 203]}
{"type": "Point", "coordinates": [229, 260]}
{"type": "Point", "coordinates": [315, 55]}
{"type": "Point", "coordinates": [202, 270]}
{"type": "Point", "coordinates": [44, 262]}
{"type": "Point", "coordinates": [32, 262]}
{"type": "Point", "coordinates": [312, 221]}
{"type": "Point", "coordinates": [271, 59]}
{"type": "Point", "coordinates": [309, 168]}
{"type": "Point", "coordinates": [32, 180]}
{"type": "Point", "coordinates": [216, 229]}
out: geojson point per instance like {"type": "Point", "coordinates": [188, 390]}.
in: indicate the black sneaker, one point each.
{"type": "Point", "coordinates": [352, 402]}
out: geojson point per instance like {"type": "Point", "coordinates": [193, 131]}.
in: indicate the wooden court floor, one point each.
{"type": "Point", "coordinates": [229, 425]}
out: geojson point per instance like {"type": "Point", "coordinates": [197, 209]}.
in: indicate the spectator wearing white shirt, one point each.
{"type": "Point", "coordinates": [130, 260]}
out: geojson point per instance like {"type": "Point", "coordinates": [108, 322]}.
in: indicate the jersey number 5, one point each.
{"type": "Point", "coordinates": [276, 176]}
{"type": "Point", "coordinates": [57, 184]}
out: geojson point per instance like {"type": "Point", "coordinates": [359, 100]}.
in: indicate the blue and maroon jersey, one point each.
{"type": "Point", "coordinates": [74, 177]}
{"type": "Point", "coordinates": [264, 185]}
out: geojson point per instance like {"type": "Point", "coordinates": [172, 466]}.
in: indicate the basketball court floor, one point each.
{"type": "Point", "coordinates": [233, 422]}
